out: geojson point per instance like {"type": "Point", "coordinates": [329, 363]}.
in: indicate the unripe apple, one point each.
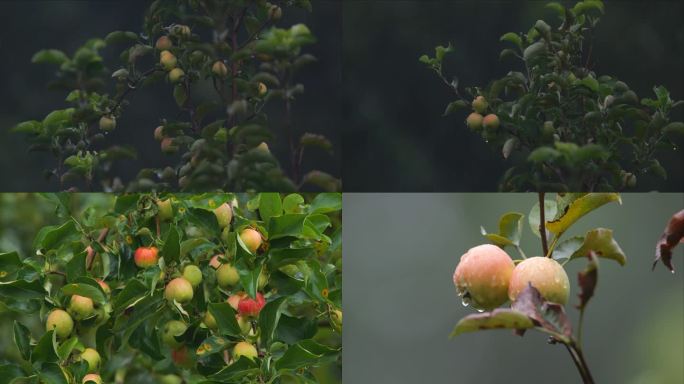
{"type": "Point", "coordinates": [224, 214]}
{"type": "Point", "coordinates": [193, 274]}
{"type": "Point", "coordinates": [234, 299]}
{"type": "Point", "coordinates": [146, 257]}
{"type": "Point", "coordinates": [60, 321]}
{"type": "Point", "coordinates": [167, 60]}
{"type": "Point", "coordinates": [170, 379]}
{"type": "Point", "coordinates": [491, 122]}
{"type": "Point", "coordinates": [165, 209]}
{"type": "Point", "coordinates": [251, 307]}
{"type": "Point", "coordinates": [244, 324]}
{"type": "Point", "coordinates": [545, 274]}
{"type": "Point", "coordinates": [178, 289]}
{"type": "Point", "coordinates": [474, 121]}
{"type": "Point", "coordinates": [92, 378]}
{"type": "Point", "coordinates": [92, 358]}
{"type": "Point", "coordinates": [210, 321]}
{"type": "Point", "coordinates": [181, 30]}
{"type": "Point", "coordinates": [176, 75]}
{"type": "Point", "coordinates": [104, 286]}
{"type": "Point", "coordinates": [219, 69]}
{"type": "Point", "coordinates": [227, 276]}
{"type": "Point", "coordinates": [168, 146]}
{"type": "Point", "coordinates": [164, 43]}
{"type": "Point", "coordinates": [171, 329]}
{"type": "Point", "coordinates": [251, 238]}
{"type": "Point", "coordinates": [480, 104]}
{"type": "Point", "coordinates": [81, 307]}
{"type": "Point", "coordinates": [275, 13]}
{"type": "Point", "coordinates": [482, 276]}
{"type": "Point", "coordinates": [262, 89]}
{"type": "Point", "coordinates": [548, 130]}
{"type": "Point", "coordinates": [159, 133]}
{"type": "Point", "coordinates": [263, 147]}
{"type": "Point", "coordinates": [107, 123]}
{"type": "Point", "coordinates": [336, 319]}
{"type": "Point", "coordinates": [245, 349]}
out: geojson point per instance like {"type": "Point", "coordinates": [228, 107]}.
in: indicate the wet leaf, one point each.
{"type": "Point", "coordinates": [578, 208]}
{"type": "Point", "coordinates": [601, 242]}
{"type": "Point", "coordinates": [549, 316]}
{"type": "Point", "coordinates": [501, 318]}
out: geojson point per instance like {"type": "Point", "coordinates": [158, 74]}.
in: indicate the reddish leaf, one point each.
{"type": "Point", "coordinates": [672, 235]}
{"type": "Point", "coordinates": [546, 315]}
{"type": "Point", "coordinates": [587, 280]}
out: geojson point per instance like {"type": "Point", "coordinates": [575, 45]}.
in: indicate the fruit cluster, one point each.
{"type": "Point", "coordinates": [476, 121]}
{"type": "Point", "coordinates": [487, 277]}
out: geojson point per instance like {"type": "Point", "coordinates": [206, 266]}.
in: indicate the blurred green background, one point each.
{"type": "Point", "coordinates": [27, 26]}
{"type": "Point", "coordinates": [395, 138]}
{"type": "Point", "coordinates": [400, 302]}
{"type": "Point", "coordinates": [21, 217]}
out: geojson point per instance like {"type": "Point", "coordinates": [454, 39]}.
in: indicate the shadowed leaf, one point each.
{"type": "Point", "coordinates": [672, 235]}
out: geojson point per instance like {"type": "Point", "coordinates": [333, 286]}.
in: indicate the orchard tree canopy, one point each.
{"type": "Point", "coordinates": [214, 288]}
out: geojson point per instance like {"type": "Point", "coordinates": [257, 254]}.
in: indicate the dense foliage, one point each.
{"type": "Point", "coordinates": [561, 125]}
{"type": "Point", "coordinates": [223, 61]}
{"type": "Point", "coordinates": [179, 288]}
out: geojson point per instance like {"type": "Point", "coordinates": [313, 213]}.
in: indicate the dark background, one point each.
{"type": "Point", "coordinates": [395, 138]}
{"type": "Point", "coordinates": [28, 26]}
{"type": "Point", "coordinates": [400, 303]}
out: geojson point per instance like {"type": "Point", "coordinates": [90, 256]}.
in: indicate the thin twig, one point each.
{"type": "Point", "coordinates": [542, 224]}
{"type": "Point", "coordinates": [91, 251]}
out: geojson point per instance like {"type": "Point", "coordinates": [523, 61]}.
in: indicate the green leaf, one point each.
{"type": "Point", "coordinates": [49, 56]}
{"type": "Point", "coordinates": [565, 249]}
{"type": "Point", "coordinates": [117, 37]}
{"type": "Point", "coordinates": [22, 338]}
{"type": "Point", "coordinates": [578, 208]}
{"type": "Point", "coordinates": [498, 319]}
{"type": "Point", "coordinates": [212, 344]}
{"type": "Point", "coordinates": [203, 218]}
{"type": "Point", "coordinates": [279, 257]}
{"type": "Point", "coordinates": [270, 205]}
{"type": "Point", "coordinates": [48, 237]}
{"type": "Point", "coordinates": [305, 353]}
{"type": "Point", "coordinates": [292, 203]}
{"type": "Point", "coordinates": [45, 350]}
{"type": "Point", "coordinates": [510, 230]}
{"type": "Point", "coordinates": [590, 83]}
{"type": "Point", "coordinates": [269, 317]}
{"type": "Point", "coordinates": [249, 276]}
{"type": "Point", "coordinates": [171, 249]}
{"type": "Point", "coordinates": [86, 290]}
{"type": "Point", "coordinates": [326, 202]}
{"type": "Point", "coordinates": [132, 292]}
{"type": "Point", "coordinates": [601, 242]}
{"type": "Point", "coordinates": [454, 106]}
{"type": "Point", "coordinates": [76, 266]}
{"type": "Point", "coordinates": [543, 155]}
{"type": "Point", "coordinates": [64, 350]}
{"type": "Point", "coordinates": [180, 95]}
{"type": "Point", "coordinates": [52, 373]}
{"type": "Point", "coordinates": [22, 290]}
{"type": "Point", "coordinates": [125, 203]}
{"type": "Point", "coordinates": [550, 208]}
{"type": "Point", "coordinates": [10, 263]}
{"type": "Point", "coordinates": [676, 128]}
{"type": "Point", "coordinates": [31, 127]}
{"type": "Point", "coordinates": [232, 373]}
{"type": "Point", "coordinates": [512, 38]}
{"type": "Point", "coordinates": [534, 50]}
{"type": "Point", "coordinates": [225, 318]}
{"type": "Point", "coordinates": [286, 225]}
{"type": "Point", "coordinates": [10, 372]}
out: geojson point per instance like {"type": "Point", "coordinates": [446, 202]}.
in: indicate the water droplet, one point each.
{"type": "Point", "coordinates": [479, 310]}
{"type": "Point", "coordinates": [465, 301]}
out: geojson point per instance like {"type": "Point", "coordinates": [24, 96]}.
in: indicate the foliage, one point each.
{"type": "Point", "coordinates": [223, 61]}
{"type": "Point", "coordinates": [530, 310]}
{"type": "Point", "coordinates": [297, 269]}
{"type": "Point", "coordinates": [563, 127]}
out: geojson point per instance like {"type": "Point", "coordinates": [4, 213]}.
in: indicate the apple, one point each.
{"type": "Point", "coordinates": [159, 133]}
{"type": "Point", "coordinates": [474, 121]}
{"type": "Point", "coordinates": [193, 274]}
{"type": "Point", "coordinates": [227, 276]}
{"type": "Point", "coordinates": [171, 329]}
{"type": "Point", "coordinates": [224, 215]}
{"type": "Point", "coordinates": [81, 307]}
{"type": "Point", "coordinates": [262, 89]}
{"type": "Point", "coordinates": [491, 122]}
{"type": "Point", "coordinates": [163, 43]}
{"type": "Point", "coordinates": [482, 276]}
{"type": "Point", "coordinates": [245, 349]}
{"type": "Point", "coordinates": [480, 104]}
{"type": "Point", "coordinates": [275, 13]}
{"type": "Point", "coordinates": [92, 358]}
{"type": "Point", "coordinates": [146, 257]}
{"type": "Point", "coordinates": [168, 146]}
{"type": "Point", "coordinates": [234, 299]}
{"type": "Point", "coordinates": [165, 209]}
{"type": "Point", "coordinates": [251, 238]}
{"type": "Point", "coordinates": [336, 320]}
{"type": "Point", "coordinates": [219, 69]}
{"type": "Point", "coordinates": [216, 261]}
{"type": "Point", "coordinates": [92, 378]}
{"type": "Point", "coordinates": [170, 379]}
{"type": "Point", "coordinates": [545, 274]}
{"type": "Point", "coordinates": [263, 147]}
{"type": "Point", "coordinates": [107, 123]}
{"type": "Point", "coordinates": [244, 323]}
{"type": "Point", "coordinates": [181, 30]}
{"type": "Point", "coordinates": [251, 307]}
{"type": "Point", "coordinates": [176, 75]}
{"type": "Point", "coordinates": [167, 60]}
{"type": "Point", "coordinates": [210, 321]}
{"type": "Point", "coordinates": [60, 321]}
{"type": "Point", "coordinates": [178, 289]}
{"type": "Point", "coordinates": [104, 286]}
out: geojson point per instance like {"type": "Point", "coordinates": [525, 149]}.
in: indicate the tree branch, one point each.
{"type": "Point", "coordinates": [542, 225]}
{"type": "Point", "coordinates": [91, 251]}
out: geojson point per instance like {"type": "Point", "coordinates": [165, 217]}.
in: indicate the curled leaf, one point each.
{"type": "Point", "coordinates": [548, 316]}
{"type": "Point", "coordinates": [672, 235]}
{"type": "Point", "coordinates": [501, 318]}
{"type": "Point", "coordinates": [587, 280]}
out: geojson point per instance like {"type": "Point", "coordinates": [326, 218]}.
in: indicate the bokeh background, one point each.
{"type": "Point", "coordinates": [27, 26]}
{"type": "Point", "coordinates": [395, 138]}
{"type": "Point", "coordinates": [400, 302]}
